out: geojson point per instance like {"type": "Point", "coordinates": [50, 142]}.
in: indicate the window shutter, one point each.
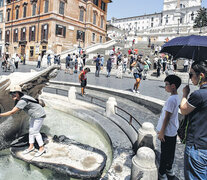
{"type": "Point", "coordinates": [56, 29]}
{"type": "Point", "coordinates": [30, 33]}
{"type": "Point", "coordinates": [42, 31]}
{"type": "Point", "coordinates": [21, 34]}
{"type": "Point", "coordinates": [83, 36]}
{"type": "Point", "coordinates": [34, 33]}
{"type": "Point", "coordinates": [14, 36]}
{"type": "Point", "coordinates": [64, 31]}
{"type": "Point", "coordinates": [25, 37]}
{"type": "Point", "coordinates": [47, 31]}
{"type": "Point", "coordinates": [77, 35]}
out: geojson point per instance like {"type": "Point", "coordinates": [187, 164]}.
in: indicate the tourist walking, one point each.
{"type": "Point", "coordinates": [39, 61]}
{"type": "Point", "coordinates": [138, 68]}
{"type": "Point", "coordinates": [102, 62]}
{"type": "Point", "coordinates": [16, 61]}
{"type": "Point", "coordinates": [186, 63]}
{"type": "Point", "coordinates": [195, 108]}
{"type": "Point", "coordinates": [174, 61]}
{"type": "Point", "coordinates": [167, 127]}
{"type": "Point", "coordinates": [36, 113]}
{"type": "Point", "coordinates": [159, 66]}
{"type": "Point", "coordinates": [98, 62]}
{"type": "Point", "coordinates": [84, 59]}
{"type": "Point", "coordinates": [76, 64]}
{"type": "Point", "coordinates": [125, 62]}
{"type": "Point", "coordinates": [67, 63]}
{"type": "Point", "coordinates": [49, 60]}
{"type": "Point", "coordinates": [155, 62]}
{"type": "Point", "coordinates": [164, 63]}
{"type": "Point", "coordinates": [119, 69]}
{"type": "Point", "coordinates": [83, 80]}
{"type": "Point", "coordinates": [108, 67]}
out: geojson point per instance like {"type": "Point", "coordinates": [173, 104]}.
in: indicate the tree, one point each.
{"type": "Point", "coordinates": [201, 19]}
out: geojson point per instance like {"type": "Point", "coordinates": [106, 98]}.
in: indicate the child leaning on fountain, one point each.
{"type": "Point", "coordinates": [167, 127]}
{"type": "Point", "coordinates": [36, 113]}
{"type": "Point", "coordinates": [83, 80]}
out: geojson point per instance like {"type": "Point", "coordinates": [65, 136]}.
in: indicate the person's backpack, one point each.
{"type": "Point", "coordinates": [140, 67]}
{"type": "Point", "coordinates": [37, 101]}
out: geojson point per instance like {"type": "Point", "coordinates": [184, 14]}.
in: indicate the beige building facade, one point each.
{"type": "Point", "coordinates": [35, 26]}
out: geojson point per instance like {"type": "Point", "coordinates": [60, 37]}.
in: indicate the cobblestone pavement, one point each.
{"type": "Point", "coordinates": [149, 87]}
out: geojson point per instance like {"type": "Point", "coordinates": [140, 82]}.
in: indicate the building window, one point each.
{"type": "Point", "coordinates": [94, 18]}
{"type": "Point", "coordinates": [32, 31]}
{"type": "Point", "coordinates": [7, 36]}
{"type": "Point", "coordinates": [31, 51]}
{"type": "Point", "coordinates": [103, 5]}
{"type": "Point", "coordinates": [46, 6]}
{"type": "Point", "coordinates": [8, 15]}
{"type": "Point", "coordinates": [95, 2]}
{"type": "Point", "coordinates": [192, 16]}
{"type": "Point", "coordinates": [102, 21]}
{"type": "Point", "coordinates": [80, 35]}
{"type": "Point", "coordinates": [151, 24]}
{"type": "Point", "coordinates": [15, 36]}
{"type": "Point", "coordinates": [44, 32]}
{"type": "Point", "coordinates": [152, 19]}
{"type": "Point", "coordinates": [61, 8]}
{"type": "Point", "coordinates": [24, 11]}
{"type": "Point", "coordinates": [0, 35]}
{"type": "Point", "coordinates": [34, 6]}
{"type": "Point", "coordinates": [1, 3]}
{"type": "Point", "coordinates": [81, 14]}
{"type": "Point", "coordinates": [17, 13]}
{"type": "Point", "coordinates": [1, 16]}
{"type": "Point", "coordinates": [23, 34]}
{"type": "Point", "coordinates": [101, 39]}
{"type": "Point", "coordinates": [166, 19]}
{"type": "Point", "coordinates": [60, 30]}
{"type": "Point", "coordinates": [93, 37]}
{"type": "Point", "coordinates": [0, 51]}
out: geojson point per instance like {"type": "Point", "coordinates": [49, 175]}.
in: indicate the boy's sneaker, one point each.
{"type": "Point", "coordinates": [133, 90]}
{"type": "Point", "coordinates": [170, 172]}
{"type": "Point", "coordinates": [137, 92]}
{"type": "Point", "coordinates": [162, 177]}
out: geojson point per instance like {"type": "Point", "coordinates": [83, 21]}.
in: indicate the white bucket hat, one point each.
{"type": "Point", "coordinates": [15, 88]}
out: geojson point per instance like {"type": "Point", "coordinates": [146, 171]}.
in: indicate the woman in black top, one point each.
{"type": "Point", "coordinates": [195, 156]}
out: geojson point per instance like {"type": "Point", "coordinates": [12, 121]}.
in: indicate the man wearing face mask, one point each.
{"type": "Point", "coordinates": [195, 107]}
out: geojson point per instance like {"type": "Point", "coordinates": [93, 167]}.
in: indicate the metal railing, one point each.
{"type": "Point", "coordinates": [93, 101]}
{"type": "Point", "coordinates": [130, 118]}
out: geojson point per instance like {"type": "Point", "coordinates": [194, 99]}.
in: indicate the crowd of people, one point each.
{"type": "Point", "coordinates": [14, 60]}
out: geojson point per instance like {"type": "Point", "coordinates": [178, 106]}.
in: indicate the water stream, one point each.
{"type": "Point", "coordinates": [56, 123]}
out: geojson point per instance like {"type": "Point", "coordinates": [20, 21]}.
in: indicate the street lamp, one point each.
{"type": "Point", "coordinates": [178, 25]}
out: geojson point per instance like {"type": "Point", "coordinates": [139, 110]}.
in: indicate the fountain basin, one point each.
{"type": "Point", "coordinates": [65, 156]}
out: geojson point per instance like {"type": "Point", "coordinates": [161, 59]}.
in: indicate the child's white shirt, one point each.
{"type": "Point", "coordinates": [172, 106]}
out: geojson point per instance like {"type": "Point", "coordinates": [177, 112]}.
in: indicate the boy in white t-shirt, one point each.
{"type": "Point", "coordinates": [167, 127]}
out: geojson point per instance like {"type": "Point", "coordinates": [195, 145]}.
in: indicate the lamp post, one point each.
{"type": "Point", "coordinates": [178, 25]}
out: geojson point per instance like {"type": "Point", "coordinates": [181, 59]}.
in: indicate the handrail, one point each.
{"type": "Point", "coordinates": [92, 98]}
{"type": "Point", "coordinates": [131, 117]}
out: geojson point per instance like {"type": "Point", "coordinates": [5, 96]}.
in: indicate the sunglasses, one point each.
{"type": "Point", "coordinates": [13, 94]}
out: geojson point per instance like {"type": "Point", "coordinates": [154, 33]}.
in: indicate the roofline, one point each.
{"type": "Point", "coordinates": [138, 16]}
